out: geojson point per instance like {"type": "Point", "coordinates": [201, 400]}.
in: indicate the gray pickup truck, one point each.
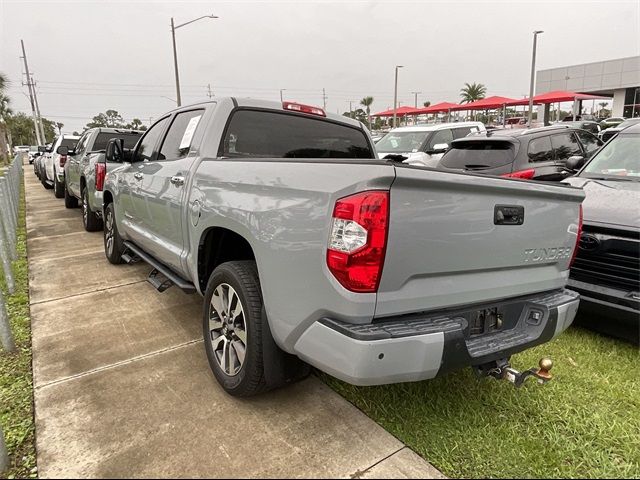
{"type": "Point", "coordinates": [85, 170]}
{"type": "Point", "coordinates": [308, 249]}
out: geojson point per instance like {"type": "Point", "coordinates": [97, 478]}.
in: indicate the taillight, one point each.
{"type": "Point", "coordinates": [101, 171]}
{"type": "Point", "coordinates": [298, 107]}
{"type": "Point", "coordinates": [358, 240]}
{"type": "Point", "coordinates": [575, 248]}
{"type": "Point", "coordinates": [63, 160]}
{"type": "Point", "coordinates": [524, 174]}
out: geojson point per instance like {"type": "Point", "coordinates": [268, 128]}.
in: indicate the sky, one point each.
{"type": "Point", "coordinates": [90, 56]}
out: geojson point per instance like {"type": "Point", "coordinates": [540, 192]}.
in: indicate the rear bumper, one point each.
{"type": "Point", "coordinates": [419, 347]}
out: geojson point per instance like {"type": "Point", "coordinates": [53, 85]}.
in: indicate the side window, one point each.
{"type": "Point", "coordinates": [540, 150]}
{"type": "Point", "coordinates": [145, 149]}
{"type": "Point", "coordinates": [178, 139]}
{"type": "Point", "coordinates": [463, 131]}
{"type": "Point", "coordinates": [82, 143]}
{"type": "Point", "coordinates": [441, 136]}
{"type": "Point", "coordinates": [589, 142]}
{"type": "Point", "coordinates": [565, 145]}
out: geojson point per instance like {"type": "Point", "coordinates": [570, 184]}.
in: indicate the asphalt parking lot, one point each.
{"type": "Point", "coordinates": [123, 388]}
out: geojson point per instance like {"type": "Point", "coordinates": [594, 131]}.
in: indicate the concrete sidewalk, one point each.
{"type": "Point", "coordinates": [123, 388]}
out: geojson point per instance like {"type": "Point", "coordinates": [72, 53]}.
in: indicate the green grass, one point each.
{"type": "Point", "coordinates": [584, 423]}
{"type": "Point", "coordinates": [16, 384]}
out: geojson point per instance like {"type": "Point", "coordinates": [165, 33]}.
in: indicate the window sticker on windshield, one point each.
{"type": "Point", "coordinates": [188, 133]}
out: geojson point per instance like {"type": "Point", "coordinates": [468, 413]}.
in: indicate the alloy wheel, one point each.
{"type": "Point", "coordinates": [85, 207]}
{"type": "Point", "coordinates": [227, 329]}
{"type": "Point", "coordinates": [108, 232]}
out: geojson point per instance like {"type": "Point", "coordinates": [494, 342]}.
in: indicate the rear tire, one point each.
{"type": "Point", "coordinates": [232, 328]}
{"type": "Point", "coordinates": [91, 221]}
{"type": "Point", "coordinates": [69, 200]}
{"type": "Point", "coordinates": [58, 188]}
{"type": "Point", "coordinates": [113, 244]}
{"type": "Point", "coordinates": [43, 180]}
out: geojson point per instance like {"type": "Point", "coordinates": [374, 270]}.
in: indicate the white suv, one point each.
{"type": "Point", "coordinates": [425, 144]}
{"type": "Point", "coordinates": [53, 169]}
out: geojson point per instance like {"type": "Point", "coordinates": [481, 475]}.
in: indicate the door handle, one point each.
{"type": "Point", "coordinates": [177, 180]}
{"type": "Point", "coordinates": [137, 176]}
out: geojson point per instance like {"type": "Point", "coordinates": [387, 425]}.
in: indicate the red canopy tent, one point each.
{"type": "Point", "coordinates": [490, 103]}
{"type": "Point", "coordinates": [442, 107]}
{"type": "Point", "coordinates": [400, 112]}
{"type": "Point", "coordinates": [558, 96]}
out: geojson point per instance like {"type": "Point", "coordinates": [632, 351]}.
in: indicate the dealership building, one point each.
{"type": "Point", "coordinates": [618, 79]}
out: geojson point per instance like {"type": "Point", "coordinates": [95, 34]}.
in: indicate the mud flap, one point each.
{"type": "Point", "coordinates": [280, 367]}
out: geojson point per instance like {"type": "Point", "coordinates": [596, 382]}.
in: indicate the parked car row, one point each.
{"type": "Point", "coordinates": [309, 249]}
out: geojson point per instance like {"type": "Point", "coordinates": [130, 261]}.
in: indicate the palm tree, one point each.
{"type": "Point", "coordinates": [59, 125]}
{"type": "Point", "coordinates": [367, 102]}
{"type": "Point", "coordinates": [602, 106]}
{"type": "Point", "coordinates": [473, 92]}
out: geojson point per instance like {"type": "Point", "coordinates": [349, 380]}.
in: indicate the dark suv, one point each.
{"type": "Point", "coordinates": [537, 153]}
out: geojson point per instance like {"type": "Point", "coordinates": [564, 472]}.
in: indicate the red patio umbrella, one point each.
{"type": "Point", "coordinates": [401, 111]}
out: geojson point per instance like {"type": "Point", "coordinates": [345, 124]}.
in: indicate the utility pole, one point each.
{"type": "Point", "coordinates": [324, 100]}
{"type": "Point", "coordinates": [33, 105]}
{"type": "Point", "coordinates": [281, 90]}
{"type": "Point", "coordinates": [350, 110]}
{"type": "Point", "coordinates": [35, 99]}
{"type": "Point", "coordinates": [209, 92]}
{"type": "Point", "coordinates": [415, 99]}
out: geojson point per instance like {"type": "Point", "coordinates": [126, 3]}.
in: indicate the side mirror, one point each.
{"type": "Point", "coordinates": [115, 150]}
{"type": "Point", "coordinates": [62, 150]}
{"type": "Point", "coordinates": [575, 162]}
{"type": "Point", "coordinates": [439, 148]}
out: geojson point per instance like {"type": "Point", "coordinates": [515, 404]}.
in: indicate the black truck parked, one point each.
{"type": "Point", "coordinates": [606, 271]}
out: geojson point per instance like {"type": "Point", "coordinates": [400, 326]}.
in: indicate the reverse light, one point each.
{"type": "Point", "coordinates": [527, 174]}
{"type": "Point", "coordinates": [101, 172]}
{"type": "Point", "coordinates": [357, 244]}
{"type": "Point", "coordinates": [575, 248]}
{"type": "Point", "coordinates": [298, 107]}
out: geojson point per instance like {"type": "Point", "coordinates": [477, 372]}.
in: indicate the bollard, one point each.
{"type": "Point", "coordinates": [6, 339]}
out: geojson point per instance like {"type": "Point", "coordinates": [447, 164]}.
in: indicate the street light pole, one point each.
{"type": "Point", "coordinates": [175, 52]}
{"type": "Point", "coordinates": [533, 74]}
{"type": "Point", "coordinates": [281, 98]}
{"type": "Point", "coordinates": [395, 96]}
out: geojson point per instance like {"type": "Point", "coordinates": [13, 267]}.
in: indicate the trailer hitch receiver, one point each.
{"type": "Point", "coordinates": [501, 370]}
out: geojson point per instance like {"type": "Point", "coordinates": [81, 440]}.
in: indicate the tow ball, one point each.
{"type": "Point", "coordinates": [501, 370]}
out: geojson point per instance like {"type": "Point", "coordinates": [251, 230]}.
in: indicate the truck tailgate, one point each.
{"type": "Point", "coordinates": [448, 245]}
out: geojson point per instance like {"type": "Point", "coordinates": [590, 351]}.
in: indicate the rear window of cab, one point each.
{"type": "Point", "coordinates": [267, 134]}
{"type": "Point", "coordinates": [479, 154]}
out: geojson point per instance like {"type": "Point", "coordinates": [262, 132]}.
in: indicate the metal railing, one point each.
{"type": "Point", "coordinates": [10, 187]}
